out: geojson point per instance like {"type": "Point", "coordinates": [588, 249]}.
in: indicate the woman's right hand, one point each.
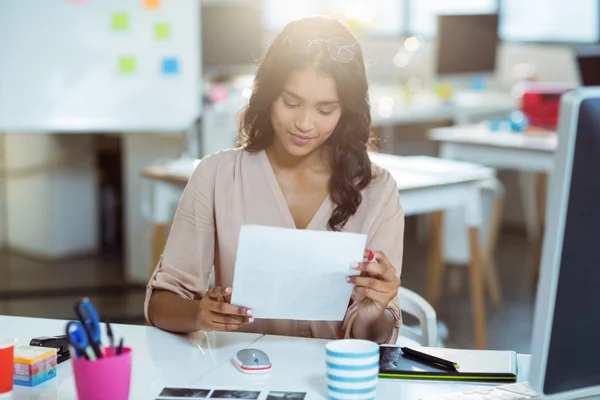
{"type": "Point", "coordinates": [217, 314]}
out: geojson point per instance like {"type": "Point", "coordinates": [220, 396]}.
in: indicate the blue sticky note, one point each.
{"type": "Point", "coordinates": [170, 66]}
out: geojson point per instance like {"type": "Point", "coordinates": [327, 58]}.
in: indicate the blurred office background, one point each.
{"type": "Point", "coordinates": [76, 213]}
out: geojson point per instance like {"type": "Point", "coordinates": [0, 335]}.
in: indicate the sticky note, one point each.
{"type": "Point", "coordinates": [152, 3]}
{"type": "Point", "coordinates": [162, 30]}
{"type": "Point", "coordinates": [120, 22]}
{"type": "Point", "coordinates": [170, 66]}
{"type": "Point", "coordinates": [127, 64]}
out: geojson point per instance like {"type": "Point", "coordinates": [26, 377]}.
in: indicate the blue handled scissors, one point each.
{"type": "Point", "coordinates": [79, 340]}
{"type": "Point", "coordinates": [91, 324]}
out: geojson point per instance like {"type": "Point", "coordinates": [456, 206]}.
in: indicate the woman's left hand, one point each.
{"type": "Point", "coordinates": [377, 283]}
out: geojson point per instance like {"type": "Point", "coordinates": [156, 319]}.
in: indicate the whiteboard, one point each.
{"type": "Point", "coordinates": [550, 21]}
{"type": "Point", "coordinates": [99, 65]}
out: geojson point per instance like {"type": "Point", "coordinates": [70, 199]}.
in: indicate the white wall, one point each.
{"type": "Point", "coordinates": [552, 62]}
{"type": "Point", "coordinates": [3, 226]}
{"type": "Point", "coordinates": [51, 195]}
{"type": "Point", "coordinates": [140, 151]}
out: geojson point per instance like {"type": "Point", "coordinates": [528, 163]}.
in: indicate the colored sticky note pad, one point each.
{"type": "Point", "coordinates": [152, 3]}
{"type": "Point", "coordinates": [170, 66]}
{"type": "Point", "coordinates": [162, 31]}
{"type": "Point", "coordinates": [127, 65]}
{"type": "Point", "coordinates": [120, 22]}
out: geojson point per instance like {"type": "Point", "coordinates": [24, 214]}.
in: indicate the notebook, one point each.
{"type": "Point", "coordinates": [474, 365]}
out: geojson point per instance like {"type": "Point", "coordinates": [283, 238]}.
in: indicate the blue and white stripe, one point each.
{"type": "Point", "coordinates": [352, 369]}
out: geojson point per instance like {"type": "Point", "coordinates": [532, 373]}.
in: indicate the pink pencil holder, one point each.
{"type": "Point", "coordinates": [105, 378]}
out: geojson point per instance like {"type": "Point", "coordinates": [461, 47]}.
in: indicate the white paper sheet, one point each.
{"type": "Point", "coordinates": [295, 274]}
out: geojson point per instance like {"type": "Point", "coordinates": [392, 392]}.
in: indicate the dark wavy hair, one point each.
{"type": "Point", "coordinates": [351, 138]}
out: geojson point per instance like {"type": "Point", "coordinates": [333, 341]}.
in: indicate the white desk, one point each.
{"type": "Point", "coordinates": [203, 360]}
{"type": "Point", "coordinates": [527, 153]}
{"type": "Point", "coordinates": [532, 152]}
{"type": "Point", "coordinates": [426, 185]}
{"type": "Point", "coordinates": [160, 359]}
{"type": "Point", "coordinates": [389, 107]}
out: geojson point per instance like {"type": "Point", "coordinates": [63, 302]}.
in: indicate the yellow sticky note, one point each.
{"type": "Point", "coordinates": [120, 22]}
{"type": "Point", "coordinates": [162, 30]}
{"type": "Point", "coordinates": [127, 65]}
{"type": "Point", "coordinates": [152, 3]}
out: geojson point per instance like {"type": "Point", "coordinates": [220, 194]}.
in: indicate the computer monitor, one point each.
{"type": "Point", "coordinates": [588, 65]}
{"type": "Point", "coordinates": [232, 39]}
{"type": "Point", "coordinates": [467, 44]}
{"type": "Point", "coordinates": [566, 332]}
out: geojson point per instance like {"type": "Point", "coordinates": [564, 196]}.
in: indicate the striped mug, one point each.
{"type": "Point", "coordinates": [352, 369]}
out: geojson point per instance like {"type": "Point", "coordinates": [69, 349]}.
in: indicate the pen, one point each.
{"type": "Point", "coordinates": [120, 348]}
{"type": "Point", "coordinates": [370, 257]}
{"type": "Point", "coordinates": [111, 339]}
{"type": "Point", "coordinates": [429, 359]}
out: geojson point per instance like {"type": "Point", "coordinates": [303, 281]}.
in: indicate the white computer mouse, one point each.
{"type": "Point", "coordinates": [252, 361]}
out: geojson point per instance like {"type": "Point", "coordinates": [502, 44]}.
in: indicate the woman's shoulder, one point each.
{"type": "Point", "coordinates": [221, 157]}
{"type": "Point", "coordinates": [223, 160]}
{"type": "Point", "coordinates": [224, 164]}
{"type": "Point", "coordinates": [382, 181]}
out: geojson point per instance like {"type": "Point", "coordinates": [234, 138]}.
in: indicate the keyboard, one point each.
{"type": "Point", "coordinates": [511, 391]}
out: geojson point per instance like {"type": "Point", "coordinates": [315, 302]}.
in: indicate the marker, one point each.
{"type": "Point", "coordinates": [429, 359]}
{"type": "Point", "coordinates": [111, 339]}
{"type": "Point", "coordinates": [370, 257]}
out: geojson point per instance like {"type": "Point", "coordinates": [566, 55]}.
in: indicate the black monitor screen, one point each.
{"type": "Point", "coordinates": [575, 337]}
{"type": "Point", "coordinates": [467, 43]}
{"type": "Point", "coordinates": [589, 70]}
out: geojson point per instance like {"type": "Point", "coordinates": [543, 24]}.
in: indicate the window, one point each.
{"type": "Point", "coordinates": [278, 13]}
{"type": "Point", "coordinates": [550, 20]}
{"type": "Point", "coordinates": [520, 20]}
{"type": "Point", "coordinates": [380, 17]}
{"type": "Point", "coordinates": [423, 13]}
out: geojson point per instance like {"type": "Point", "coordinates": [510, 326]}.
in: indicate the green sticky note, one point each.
{"type": "Point", "coordinates": [162, 30]}
{"type": "Point", "coordinates": [120, 22]}
{"type": "Point", "coordinates": [127, 65]}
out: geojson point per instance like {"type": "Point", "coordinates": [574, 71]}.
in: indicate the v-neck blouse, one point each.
{"type": "Point", "coordinates": [325, 207]}
{"type": "Point", "coordinates": [233, 188]}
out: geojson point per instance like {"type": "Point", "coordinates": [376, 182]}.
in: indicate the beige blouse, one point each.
{"type": "Point", "coordinates": [234, 188]}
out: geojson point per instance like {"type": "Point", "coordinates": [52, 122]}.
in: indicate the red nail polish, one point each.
{"type": "Point", "coordinates": [371, 256]}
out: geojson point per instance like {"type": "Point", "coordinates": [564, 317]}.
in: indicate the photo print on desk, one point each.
{"type": "Point", "coordinates": [183, 393]}
{"type": "Point", "coordinates": [286, 395]}
{"type": "Point", "coordinates": [235, 394]}
{"type": "Point", "coordinates": [389, 357]}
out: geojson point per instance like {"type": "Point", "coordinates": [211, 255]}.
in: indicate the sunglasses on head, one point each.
{"type": "Point", "coordinates": [340, 49]}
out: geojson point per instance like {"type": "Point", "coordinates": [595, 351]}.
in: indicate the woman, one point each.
{"type": "Point", "coordinates": [302, 164]}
